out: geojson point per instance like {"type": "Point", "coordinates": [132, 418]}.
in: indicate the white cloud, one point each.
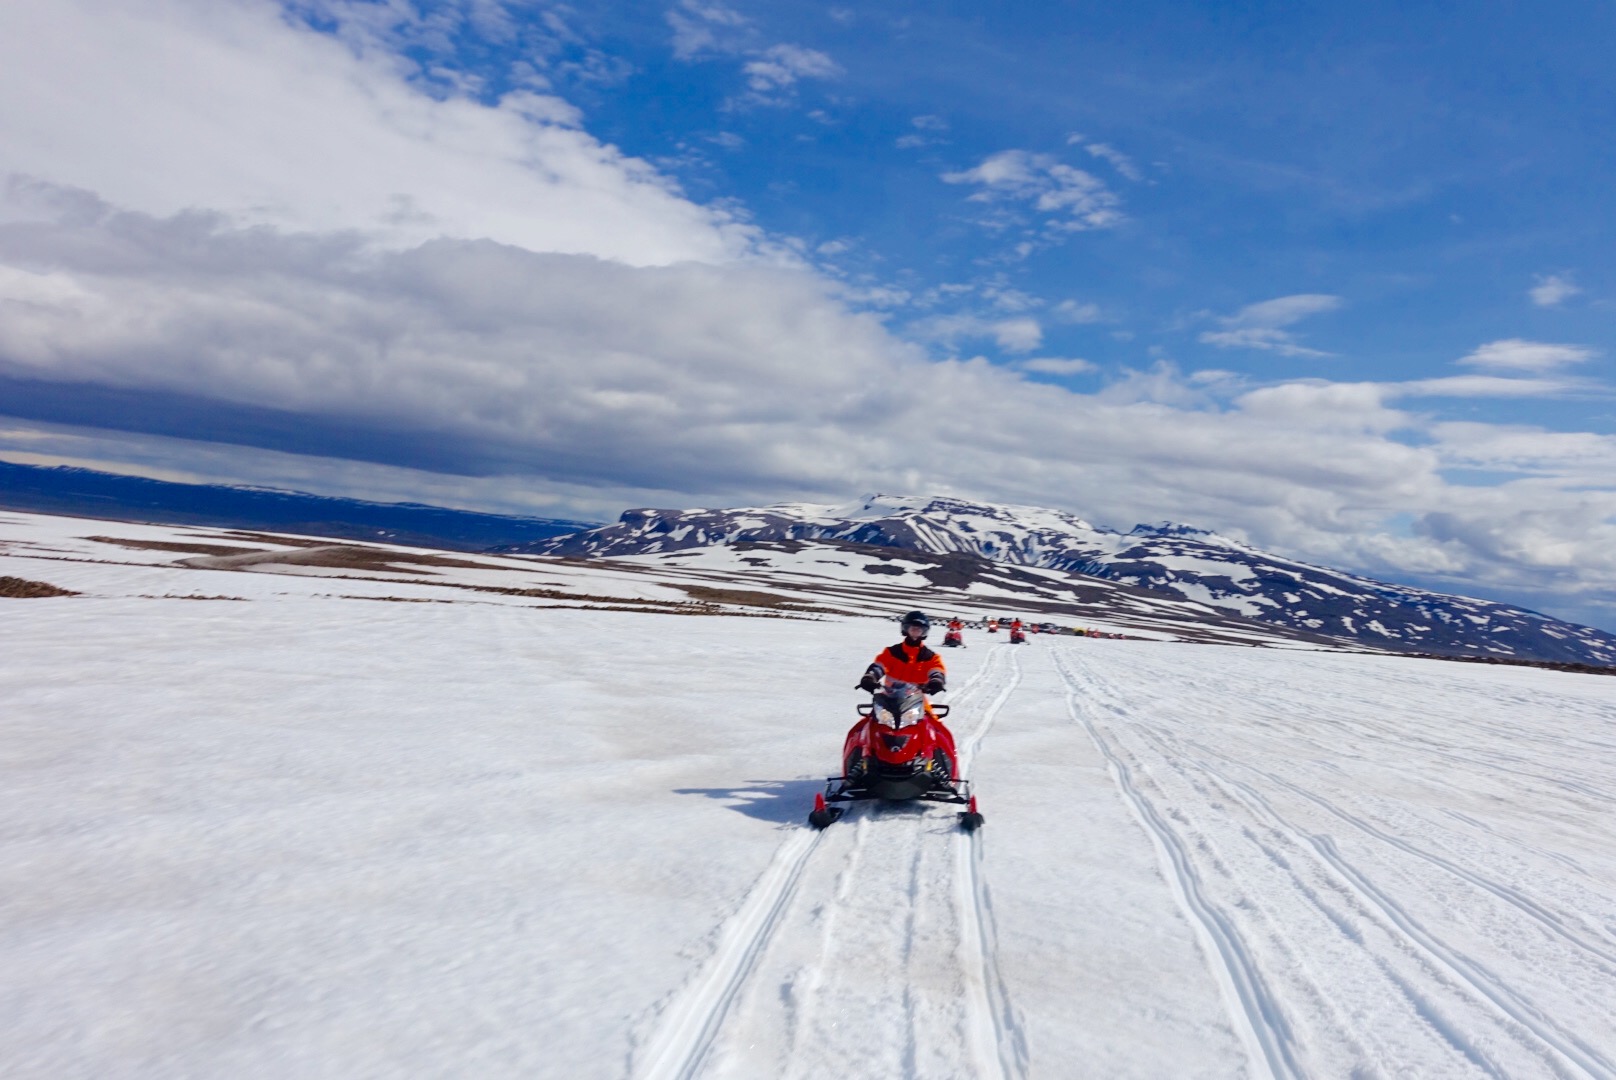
{"type": "Point", "coordinates": [1054, 365]}
{"type": "Point", "coordinates": [780, 66]}
{"type": "Point", "coordinates": [1117, 159]}
{"type": "Point", "coordinates": [704, 29]}
{"type": "Point", "coordinates": [176, 105]}
{"type": "Point", "coordinates": [700, 28]}
{"type": "Point", "coordinates": [1072, 311]}
{"type": "Point", "coordinates": [1261, 325]}
{"type": "Point", "coordinates": [1477, 386]}
{"type": "Point", "coordinates": [1553, 290]}
{"type": "Point", "coordinates": [587, 384]}
{"type": "Point", "coordinates": [1072, 199]}
{"type": "Point", "coordinates": [928, 132]}
{"type": "Point", "coordinates": [1019, 334]}
{"type": "Point", "coordinates": [1515, 354]}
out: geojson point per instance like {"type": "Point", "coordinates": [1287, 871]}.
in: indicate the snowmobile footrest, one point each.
{"type": "Point", "coordinates": [971, 821]}
{"type": "Point", "coordinates": [823, 815]}
{"type": "Point", "coordinates": [820, 819]}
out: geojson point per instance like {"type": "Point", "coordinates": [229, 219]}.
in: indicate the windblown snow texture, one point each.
{"type": "Point", "coordinates": [1190, 563]}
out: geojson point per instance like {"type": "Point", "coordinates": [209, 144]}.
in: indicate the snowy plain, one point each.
{"type": "Point", "coordinates": [307, 833]}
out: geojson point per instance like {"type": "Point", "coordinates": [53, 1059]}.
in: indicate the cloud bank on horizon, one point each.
{"type": "Point", "coordinates": [506, 256]}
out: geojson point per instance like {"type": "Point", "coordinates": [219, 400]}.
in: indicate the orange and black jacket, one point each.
{"type": "Point", "coordinates": [906, 663]}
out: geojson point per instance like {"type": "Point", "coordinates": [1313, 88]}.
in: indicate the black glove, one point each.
{"type": "Point", "coordinates": [868, 683]}
{"type": "Point", "coordinates": [934, 685]}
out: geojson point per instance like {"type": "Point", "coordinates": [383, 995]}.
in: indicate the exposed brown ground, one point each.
{"type": "Point", "coordinates": [17, 588]}
{"type": "Point", "coordinates": [174, 546]}
{"type": "Point", "coordinates": [708, 594]}
{"type": "Point", "coordinates": [266, 538]}
{"type": "Point", "coordinates": [330, 556]}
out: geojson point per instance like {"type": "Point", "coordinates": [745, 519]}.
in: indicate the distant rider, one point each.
{"type": "Point", "coordinates": [908, 661]}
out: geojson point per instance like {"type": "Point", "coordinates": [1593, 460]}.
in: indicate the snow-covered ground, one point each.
{"type": "Point", "coordinates": [308, 834]}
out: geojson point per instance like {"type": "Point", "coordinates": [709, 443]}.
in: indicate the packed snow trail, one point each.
{"type": "Point", "coordinates": [998, 1046]}
{"type": "Point", "coordinates": [884, 963]}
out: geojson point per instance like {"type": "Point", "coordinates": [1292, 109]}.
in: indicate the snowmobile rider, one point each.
{"type": "Point", "coordinates": [908, 661]}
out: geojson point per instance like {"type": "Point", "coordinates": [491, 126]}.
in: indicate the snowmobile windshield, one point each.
{"type": "Point", "coordinates": [900, 705]}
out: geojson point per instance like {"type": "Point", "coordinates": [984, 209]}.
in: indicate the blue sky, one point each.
{"type": "Point", "coordinates": [1333, 279]}
{"type": "Point", "coordinates": [1427, 171]}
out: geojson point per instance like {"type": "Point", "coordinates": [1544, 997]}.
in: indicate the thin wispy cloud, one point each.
{"type": "Point", "coordinates": [1018, 334]}
{"type": "Point", "coordinates": [1515, 354]}
{"type": "Point", "coordinates": [1553, 290]}
{"type": "Point", "coordinates": [1077, 312]}
{"type": "Point", "coordinates": [703, 29]}
{"type": "Point", "coordinates": [928, 132]}
{"type": "Point", "coordinates": [1056, 365]}
{"type": "Point", "coordinates": [1483, 386]}
{"type": "Point", "coordinates": [1263, 325]}
{"type": "Point", "coordinates": [1117, 159]}
{"type": "Point", "coordinates": [1069, 199]}
{"type": "Point", "coordinates": [779, 67]}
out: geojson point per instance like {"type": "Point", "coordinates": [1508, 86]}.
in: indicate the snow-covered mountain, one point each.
{"type": "Point", "coordinates": [1190, 563]}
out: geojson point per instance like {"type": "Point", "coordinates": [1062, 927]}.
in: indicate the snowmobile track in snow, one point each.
{"type": "Point", "coordinates": [1255, 1014]}
{"type": "Point", "coordinates": [1002, 1044]}
{"type": "Point", "coordinates": [693, 1020]}
{"type": "Point", "coordinates": [1268, 874]}
{"type": "Point", "coordinates": [1466, 972]}
{"type": "Point", "coordinates": [685, 1037]}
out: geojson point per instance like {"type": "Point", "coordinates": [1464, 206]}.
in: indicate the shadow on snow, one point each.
{"type": "Point", "coordinates": [782, 801]}
{"type": "Point", "coordinates": [787, 802]}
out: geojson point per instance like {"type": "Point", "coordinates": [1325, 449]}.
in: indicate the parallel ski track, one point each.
{"type": "Point", "coordinates": [1562, 1051]}
{"type": "Point", "coordinates": [1253, 1011]}
{"type": "Point", "coordinates": [691, 1023]}
{"type": "Point", "coordinates": [1480, 982]}
{"type": "Point", "coordinates": [998, 1045]}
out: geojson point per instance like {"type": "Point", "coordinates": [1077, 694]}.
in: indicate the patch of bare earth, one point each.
{"type": "Point", "coordinates": [192, 596]}
{"type": "Point", "coordinates": [707, 594]}
{"type": "Point", "coordinates": [336, 557]}
{"type": "Point", "coordinates": [17, 588]}
{"type": "Point", "coordinates": [174, 546]}
{"type": "Point", "coordinates": [359, 558]}
{"type": "Point", "coordinates": [270, 538]}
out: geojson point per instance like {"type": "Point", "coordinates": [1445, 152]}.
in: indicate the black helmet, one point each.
{"type": "Point", "coordinates": [916, 618]}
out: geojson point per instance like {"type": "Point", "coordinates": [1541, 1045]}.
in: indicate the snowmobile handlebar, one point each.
{"type": "Point", "coordinates": [937, 710]}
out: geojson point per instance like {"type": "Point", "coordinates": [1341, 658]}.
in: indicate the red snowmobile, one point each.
{"type": "Point", "coordinates": [955, 638]}
{"type": "Point", "coordinates": [899, 750]}
{"type": "Point", "coordinates": [1017, 635]}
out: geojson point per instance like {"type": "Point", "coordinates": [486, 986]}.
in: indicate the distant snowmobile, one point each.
{"type": "Point", "coordinates": [955, 638]}
{"type": "Point", "coordinates": [898, 750]}
{"type": "Point", "coordinates": [1017, 637]}
{"type": "Point", "coordinates": [993, 626]}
